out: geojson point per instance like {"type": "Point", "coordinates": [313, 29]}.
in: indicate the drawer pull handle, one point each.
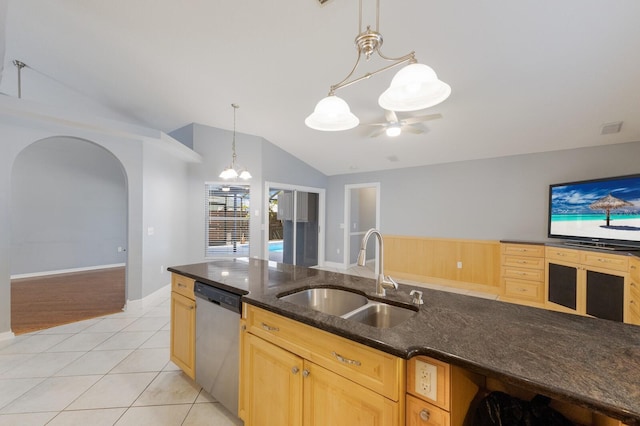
{"type": "Point", "coordinates": [305, 373]}
{"type": "Point", "coordinates": [182, 285]}
{"type": "Point", "coordinates": [346, 360]}
{"type": "Point", "coordinates": [633, 267]}
{"type": "Point", "coordinates": [424, 415]}
{"type": "Point", "coordinates": [269, 328]}
{"type": "Point", "coordinates": [295, 370]}
{"type": "Point", "coordinates": [560, 254]}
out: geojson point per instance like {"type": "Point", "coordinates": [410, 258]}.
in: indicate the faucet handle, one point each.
{"type": "Point", "coordinates": [417, 297]}
{"type": "Point", "coordinates": [390, 282]}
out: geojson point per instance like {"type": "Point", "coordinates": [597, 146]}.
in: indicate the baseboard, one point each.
{"type": "Point", "coordinates": [151, 300]}
{"type": "Point", "coordinates": [67, 271]}
{"type": "Point", "coordinates": [7, 335]}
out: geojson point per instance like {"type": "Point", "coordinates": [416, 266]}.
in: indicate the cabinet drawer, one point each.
{"type": "Point", "coordinates": [523, 250]}
{"type": "Point", "coordinates": [523, 262]}
{"type": "Point", "coordinates": [523, 274]}
{"type": "Point", "coordinates": [634, 269]}
{"type": "Point", "coordinates": [608, 261]}
{"type": "Point", "coordinates": [182, 285]}
{"type": "Point", "coordinates": [526, 290]}
{"type": "Point", "coordinates": [567, 255]}
{"type": "Point", "coordinates": [373, 369]}
{"type": "Point", "coordinates": [421, 413]}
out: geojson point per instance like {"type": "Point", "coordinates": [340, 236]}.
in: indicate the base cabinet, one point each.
{"type": "Point", "coordinates": [633, 297]}
{"type": "Point", "coordinates": [522, 274]}
{"type": "Point", "coordinates": [293, 374]}
{"type": "Point", "coordinates": [439, 394]}
{"type": "Point", "coordinates": [183, 325]}
{"type": "Point", "coordinates": [587, 283]}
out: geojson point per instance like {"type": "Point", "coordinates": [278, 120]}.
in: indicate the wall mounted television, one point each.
{"type": "Point", "coordinates": [599, 212]}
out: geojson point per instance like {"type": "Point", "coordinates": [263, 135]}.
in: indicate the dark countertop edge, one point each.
{"type": "Point", "coordinates": [229, 288]}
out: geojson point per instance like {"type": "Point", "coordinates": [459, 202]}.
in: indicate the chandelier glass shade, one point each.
{"type": "Point", "coordinates": [414, 87]}
{"type": "Point", "coordinates": [233, 171]}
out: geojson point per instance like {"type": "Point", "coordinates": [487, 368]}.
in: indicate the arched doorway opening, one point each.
{"type": "Point", "coordinates": [68, 233]}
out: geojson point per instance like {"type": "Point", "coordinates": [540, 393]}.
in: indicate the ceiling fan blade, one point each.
{"type": "Point", "coordinates": [415, 129]}
{"type": "Point", "coordinates": [377, 132]}
{"type": "Point", "coordinates": [390, 116]}
{"type": "Point", "coordinates": [421, 118]}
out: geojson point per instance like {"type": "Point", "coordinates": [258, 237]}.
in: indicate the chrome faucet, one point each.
{"type": "Point", "coordinates": [382, 281]}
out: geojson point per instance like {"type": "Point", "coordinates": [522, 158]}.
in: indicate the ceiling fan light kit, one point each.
{"type": "Point", "coordinates": [414, 87]}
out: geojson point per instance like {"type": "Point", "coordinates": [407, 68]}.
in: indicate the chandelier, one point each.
{"type": "Point", "coordinates": [233, 171]}
{"type": "Point", "coordinates": [414, 87]}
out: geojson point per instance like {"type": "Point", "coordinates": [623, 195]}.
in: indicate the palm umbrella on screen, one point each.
{"type": "Point", "coordinates": [609, 203]}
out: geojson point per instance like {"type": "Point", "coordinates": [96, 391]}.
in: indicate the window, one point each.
{"type": "Point", "coordinates": [227, 220]}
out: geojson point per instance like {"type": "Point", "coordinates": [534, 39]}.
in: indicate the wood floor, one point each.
{"type": "Point", "coordinates": [43, 302]}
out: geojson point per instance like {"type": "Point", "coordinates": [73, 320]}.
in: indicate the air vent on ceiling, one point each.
{"type": "Point", "coordinates": [609, 128]}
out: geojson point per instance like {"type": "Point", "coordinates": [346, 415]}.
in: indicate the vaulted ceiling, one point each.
{"type": "Point", "coordinates": [526, 76]}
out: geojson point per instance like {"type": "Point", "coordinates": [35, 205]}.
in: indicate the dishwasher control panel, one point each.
{"type": "Point", "coordinates": [223, 298]}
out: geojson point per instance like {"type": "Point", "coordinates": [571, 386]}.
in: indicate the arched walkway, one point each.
{"type": "Point", "coordinates": [68, 233]}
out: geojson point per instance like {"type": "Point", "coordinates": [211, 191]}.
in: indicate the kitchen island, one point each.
{"type": "Point", "coordinates": [588, 362]}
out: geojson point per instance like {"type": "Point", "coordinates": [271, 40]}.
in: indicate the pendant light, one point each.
{"type": "Point", "coordinates": [414, 87]}
{"type": "Point", "coordinates": [232, 172]}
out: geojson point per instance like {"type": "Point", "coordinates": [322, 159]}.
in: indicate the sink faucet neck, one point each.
{"type": "Point", "coordinates": [382, 281]}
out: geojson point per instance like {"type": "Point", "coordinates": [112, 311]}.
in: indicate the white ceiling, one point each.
{"type": "Point", "coordinates": [526, 76]}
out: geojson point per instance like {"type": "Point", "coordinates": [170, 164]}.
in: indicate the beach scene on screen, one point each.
{"type": "Point", "coordinates": [607, 209]}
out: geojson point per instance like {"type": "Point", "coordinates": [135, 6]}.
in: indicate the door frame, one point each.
{"type": "Point", "coordinates": [321, 216]}
{"type": "Point", "coordinates": [346, 253]}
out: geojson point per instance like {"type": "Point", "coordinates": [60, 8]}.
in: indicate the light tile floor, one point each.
{"type": "Point", "coordinates": [112, 370]}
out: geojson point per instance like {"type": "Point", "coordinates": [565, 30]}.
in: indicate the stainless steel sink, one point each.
{"type": "Point", "coordinates": [351, 306]}
{"type": "Point", "coordinates": [381, 315]}
{"type": "Point", "coordinates": [331, 301]}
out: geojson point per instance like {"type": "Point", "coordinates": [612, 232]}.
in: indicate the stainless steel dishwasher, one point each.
{"type": "Point", "coordinates": [217, 340]}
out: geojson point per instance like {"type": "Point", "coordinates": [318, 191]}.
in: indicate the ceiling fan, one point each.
{"type": "Point", "coordinates": [394, 126]}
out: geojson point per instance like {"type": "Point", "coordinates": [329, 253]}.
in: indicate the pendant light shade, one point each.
{"type": "Point", "coordinates": [332, 114]}
{"type": "Point", "coordinates": [414, 87]}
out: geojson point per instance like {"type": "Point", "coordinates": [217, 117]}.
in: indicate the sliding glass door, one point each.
{"type": "Point", "coordinates": [294, 231]}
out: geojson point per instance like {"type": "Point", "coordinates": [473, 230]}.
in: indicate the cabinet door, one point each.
{"type": "Point", "coordinates": [562, 285]}
{"type": "Point", "coordinates": [330, 399]}
{"type": "Point", "coordinates": [272, 384]}
{"type": "Point", "coordinates": [183, 333]}
{"type": "Point", "coordinates": [605, 295]}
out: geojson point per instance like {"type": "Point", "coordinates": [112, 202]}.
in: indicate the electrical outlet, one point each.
{"type": "Point", "coordinates": [426, 380]}
{"type": "Point", "coordinates": [459, 264]}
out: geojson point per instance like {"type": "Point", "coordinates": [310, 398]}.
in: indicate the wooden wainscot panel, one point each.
{"type": "Point", "coordinates": [437, 260]}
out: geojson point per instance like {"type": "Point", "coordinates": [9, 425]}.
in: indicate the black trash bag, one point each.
{"type": "Point", "coordinates": [500, 409]}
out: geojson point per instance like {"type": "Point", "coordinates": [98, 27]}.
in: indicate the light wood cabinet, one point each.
{"type": "Point", "coordinates": [183, 324]}
{"type": "Point", "coordinates": [439, 394]}
{"type": "Point", "coordinates": [588, 283]}
{"type": "Point", "coordinates": [522, 274]}
{"type": "Point", "coordinates": [272, 387]}
{"type": "Point", "coordinates": [322, 377]}
{"type": "Point", "coordinates": [633, 297]}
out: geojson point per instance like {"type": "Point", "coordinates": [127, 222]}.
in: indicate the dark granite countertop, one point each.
{"type": "Point", "coordinates": [590, 362]}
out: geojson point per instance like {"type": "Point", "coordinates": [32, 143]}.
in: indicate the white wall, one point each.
{"type": "Point", "coordinates": [497, 198]}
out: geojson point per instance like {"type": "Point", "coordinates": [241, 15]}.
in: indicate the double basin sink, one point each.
{"type": "Point", "coordinates": [351, 306]}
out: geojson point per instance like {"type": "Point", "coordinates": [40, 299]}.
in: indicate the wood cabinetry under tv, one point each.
{"type": "Point", "coordinates": [592, 281]}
